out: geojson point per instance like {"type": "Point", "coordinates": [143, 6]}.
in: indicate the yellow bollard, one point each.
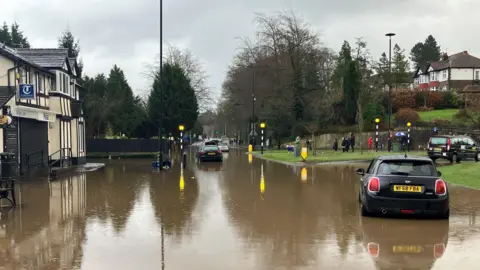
{"type": "Point", "coordinates": [250, 148]}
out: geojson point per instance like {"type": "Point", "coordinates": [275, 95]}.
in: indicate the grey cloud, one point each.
{"type": "Point", "coordinates": [125, 32]}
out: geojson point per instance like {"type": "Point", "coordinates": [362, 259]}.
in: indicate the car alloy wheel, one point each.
{"type": "Point", "coordinates": [478, 157]}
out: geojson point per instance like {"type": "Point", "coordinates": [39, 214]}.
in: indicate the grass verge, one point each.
{"type": "Point", "coordinates": [327, 156]}
{"type": "Point", "coordinates": [446, 114]}
{"type": "Point", "coordinates": [464, 174]}
{"type": "Point", "coordinates": [122, 155]}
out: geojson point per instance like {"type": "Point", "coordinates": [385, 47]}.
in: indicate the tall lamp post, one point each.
{"type": "Point", "coordinates": [161, 150]}
{"type": "Point", "coordinates": [253, 108]}
{"type": "Point", "coordinates": [389, 35]}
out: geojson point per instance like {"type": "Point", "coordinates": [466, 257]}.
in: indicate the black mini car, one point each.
{"type": "Point", "coordinates": [403, 185]}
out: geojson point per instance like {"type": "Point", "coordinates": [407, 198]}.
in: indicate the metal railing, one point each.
{"type": "Point", "coordinates": [65, 156]}
{"type": "Point", "coordinates": [34, 158]}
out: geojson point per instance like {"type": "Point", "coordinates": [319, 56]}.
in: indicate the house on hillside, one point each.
{"type": "Point", "coordinates": [68, 129]}
{"type": "Point", "coordinates": [47, 123]}
{"type": "Point", "coordinates": [452, 72]}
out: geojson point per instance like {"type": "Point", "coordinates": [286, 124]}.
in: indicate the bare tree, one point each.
{"type": "Point", "coordinates": [193, 69]}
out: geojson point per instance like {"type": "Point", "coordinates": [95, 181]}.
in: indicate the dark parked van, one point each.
{"type": "Point", "coordinates": [453, 148]}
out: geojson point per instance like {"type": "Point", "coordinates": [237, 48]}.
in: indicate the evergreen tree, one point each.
{"type": "Point", "coordinates": [18, 39]}
{"type": "Point", "coordinates": [344, 78]}
{"type": "Point", "coordinates": [381, 67]}
{"type": "Point", "coordinates": [123, 117]}
{"type": "Point", "coordinates": [68, 41]}
{"type": "Point", "coordinates": [172, 99]}
{"type": "Point", "coordinates": [5, 36]}
{"type": "Point", "coordinates": [400, 66]}
{"type": "Point", "coordinates": [425, 52]}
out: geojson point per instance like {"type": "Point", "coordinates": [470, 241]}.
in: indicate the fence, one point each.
{"type": "Point", "coordinates": [124, 146]}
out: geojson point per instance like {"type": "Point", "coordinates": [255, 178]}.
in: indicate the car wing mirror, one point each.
{"type": "Point", "coordinates": [439, 173]}
{"type": "Point", "coordinates": [361, 171]}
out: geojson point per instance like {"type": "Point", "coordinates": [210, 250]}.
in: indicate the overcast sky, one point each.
{"type": "Point", "coordinates": [126, 32]}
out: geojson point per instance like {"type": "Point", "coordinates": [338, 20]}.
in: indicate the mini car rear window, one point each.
{"type": "Point", "coordinates": [210, 148]}
{"type": "Point", "coordinates": [407, 167]}
{"type": "Point", "coordinates": [438, 140]}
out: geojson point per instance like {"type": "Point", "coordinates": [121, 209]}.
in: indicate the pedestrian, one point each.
{"type": "Point", "coordinates": [370, 143]}
{"type": "Point", "coordinates": [335, 145]}
{"type": "Point", "coordinates": [352, 141]}
{"type": "Point", "coordinates": [344, 144]}
{"type": "Point", "coordinates": [347, 144]}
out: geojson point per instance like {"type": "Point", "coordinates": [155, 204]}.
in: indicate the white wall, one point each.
{"type": "Point", "coordinates": [5, 65]}
{"type": "Point", "coordinates": [463, 74]}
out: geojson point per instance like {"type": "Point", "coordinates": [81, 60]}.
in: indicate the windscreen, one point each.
{"type": "Point", "coordinates": [407, 167]}
{"type": "Point", "coordinates": [438, 140]}
{"type": "Point", "coordinates": [210, 148]}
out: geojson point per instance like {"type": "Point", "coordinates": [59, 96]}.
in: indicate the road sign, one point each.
{"type": "Point", "coordinates": [26, 91]}
{"type": "Point", "coordinates": [252, 133]}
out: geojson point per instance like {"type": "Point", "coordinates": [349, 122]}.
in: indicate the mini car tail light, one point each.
{"type": "Point", "coordinates": [440, 187]}
{"type": "Point", "coordinates": [374, 184]}
{"type": "Point", "coordinates": [373, 249]}
{"type": "Point", "coordinates": [438, 250]}
{"type": "Point", "coordinates": [219, 151]}
{"type": "Point", "coordinates": [202, 153]}
{"type": "Point", "coordinates": [449, 143]}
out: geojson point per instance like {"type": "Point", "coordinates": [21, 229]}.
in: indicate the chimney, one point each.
{"type": "Point", "coordinates": [444, 56]}
{"type": "Point", "coordinates": [465, 52]}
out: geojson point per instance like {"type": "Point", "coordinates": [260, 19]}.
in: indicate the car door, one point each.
{"type": "Point", "coordinates": [469, 151]}
{"type": "Point", "coordinates": [368, 172]}
{"type": "Point", "coordinates": [462, 148]}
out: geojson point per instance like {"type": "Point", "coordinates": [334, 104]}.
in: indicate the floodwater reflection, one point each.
{"type": "Point", "coordinates": [47, 229]}
{"type": "Point", "coordinates": [256, 215]}
{"type": "Point", "coordinates": [404, 244]}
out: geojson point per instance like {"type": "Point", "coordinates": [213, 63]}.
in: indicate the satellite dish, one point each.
{"type": "Point", "coordinates": [9, 120]}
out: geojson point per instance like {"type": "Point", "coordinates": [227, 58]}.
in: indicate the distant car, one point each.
{"type": "Point", "coordinates": [212, 142]}
{"type": "Point", "coordinates": [210, 153]}
{"type": "Point", "coordinates": [403, 185]}
{"type": "Point", "coordinates": [223, 147]}
{"type": "Point", "coordinates": [404, 244]}
{"type": "Point", "coordinates": [453, 148]}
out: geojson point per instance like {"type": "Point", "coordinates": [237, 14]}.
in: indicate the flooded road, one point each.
{"type": "Point", "coordinates": [242, 214]}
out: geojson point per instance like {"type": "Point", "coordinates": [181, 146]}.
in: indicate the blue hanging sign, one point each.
{"type": "Point", "coordinates": [26, 91]}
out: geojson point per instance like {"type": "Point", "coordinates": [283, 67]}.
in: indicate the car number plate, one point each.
{"type": "Point", "coordinates": [401, 188]}
{"type": "Point", "coordinates": [211, 154]}
{"type": "Point", "coordinates": [438, 149]}
{"type": "Point", "coordinates": [406, 249]}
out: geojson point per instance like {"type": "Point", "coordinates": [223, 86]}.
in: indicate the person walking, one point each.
{"type": "Point", "coordinates": [344, 144]}
{"type": "Point", "coordinates": [352, 141]}
{"type": "Point", "coordinates": [335, 145]}
{"type": "Point", "coordinates": [370, 143]}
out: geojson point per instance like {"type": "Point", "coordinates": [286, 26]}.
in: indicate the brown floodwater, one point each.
{"type": "Point", "coordinates": [243, 214]}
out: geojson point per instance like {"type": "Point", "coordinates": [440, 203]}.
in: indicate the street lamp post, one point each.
{"type": "Point", "coordinates": [262, 127]}
{"type": "Point", "coordinates": [160, 136]}
{"type": "Point", "coordinates": [253, 108]}
{"type": "Point", "coordinates": [377, 121]}
{"type": "Point", "coordinates": [389, 35]}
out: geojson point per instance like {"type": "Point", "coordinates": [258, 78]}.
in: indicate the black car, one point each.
{"type": "Point", "coordinates": [453, 148]}
{"type": "Point", "coordinates": [404, 243]}
{"type": "Point", "coordinates": [210, 153]}
{"type": "Point", "coordinates": [403, 185]}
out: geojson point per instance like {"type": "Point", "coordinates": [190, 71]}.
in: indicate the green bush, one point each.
{"type": "Point", "coordinates": [372, 111]}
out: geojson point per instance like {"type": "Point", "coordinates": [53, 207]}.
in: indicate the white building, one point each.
{"type": "Point", "coordinates": [453, 72]}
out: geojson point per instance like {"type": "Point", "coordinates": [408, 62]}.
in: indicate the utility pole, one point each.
{"type": "Point", "coordinates": [389, 35]}
{"type": "Point", "coordinates": [253, 108]}
{"type": "Point", "coordinates": [160, 131]}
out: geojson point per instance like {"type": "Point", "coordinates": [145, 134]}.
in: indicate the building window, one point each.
{"type": "Point", "coordinates": [477, 75]}
{"type": "Point", "coordinates": [444, 74]}
{"type": "Point", "coordinates": [432, 76]}
{"type": "Point", "coordinates": [39, 83]}
{"type": "Point", "coordinates": [434, 88]}
{"type": "Point", "coordinates": [81, 137]}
